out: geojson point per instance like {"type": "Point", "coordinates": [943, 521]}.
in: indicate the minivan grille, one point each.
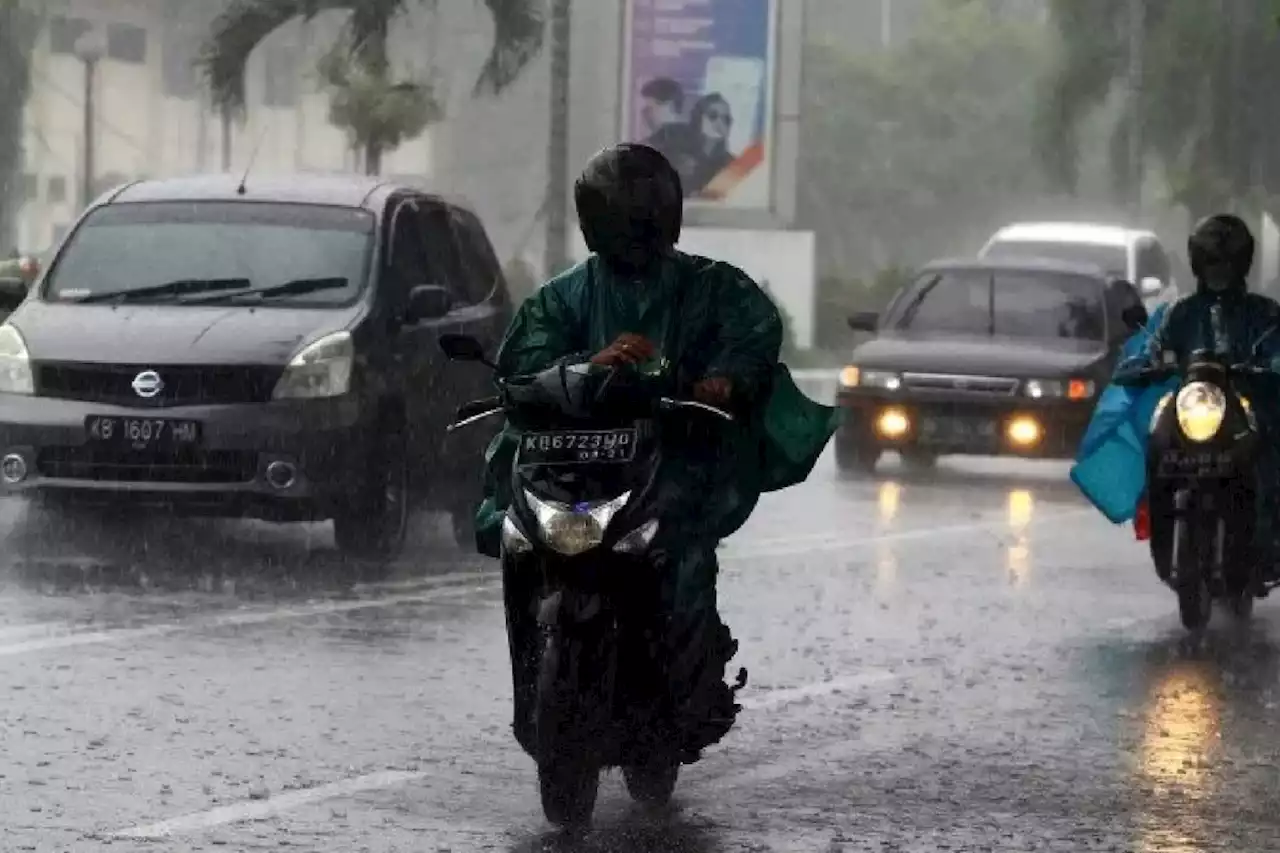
{"type": "Point", "coordinates": [129, 466]}
{"type": "Point", "coordinates": [184, 385]}
{"type": "Point", "coordinates": [988, 385]}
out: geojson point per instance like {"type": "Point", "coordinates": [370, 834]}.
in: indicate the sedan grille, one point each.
{"type": "Point", "coordinates": [1001, 386]}
{"type": "Point", "coordinates": [209, 466]}
{"type": "Point", "coordinates": [183, 385]}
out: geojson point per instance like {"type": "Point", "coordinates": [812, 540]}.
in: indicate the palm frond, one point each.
{"type": "Point", "coordinates": [518, 27]}
{"type": "Point", "coordinates": [241, 28]}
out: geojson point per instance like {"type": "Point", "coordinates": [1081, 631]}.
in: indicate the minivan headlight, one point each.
{"type": "Point", "coordinates": [320, 369]}
{"type": "Point", "coordinates": [15, 363]}
{"type": "Point", "coordinates": [1201, 406]}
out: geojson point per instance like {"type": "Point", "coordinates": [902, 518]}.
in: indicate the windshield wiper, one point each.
{"type": "Point", "coordinates": [169, 288]}
{"type": "Point", "coordinates": [296, 287]}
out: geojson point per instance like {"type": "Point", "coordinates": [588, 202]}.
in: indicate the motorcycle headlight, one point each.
{"type": "Point", "coordinates": [574, 530]}
{"type": "Point", "coordinates": [320, 369]}
{"type": "Point", "coordinates": [1201, 406]}
{"type": "Point", "coordinates": [15, 363]}
{"type": "Point", "coordinates": [1159, 410]}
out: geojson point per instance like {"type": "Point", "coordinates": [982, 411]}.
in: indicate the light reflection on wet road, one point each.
{"type": "Point", "coordinates": [969, 662]}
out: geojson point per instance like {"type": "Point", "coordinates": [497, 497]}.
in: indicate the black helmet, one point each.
{"type": "Point", "coordinates": [630, 206]}
{"type": "Point", "coordinates": [1221, 252]}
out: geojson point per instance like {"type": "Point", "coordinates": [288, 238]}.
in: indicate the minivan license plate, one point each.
{"type": "Point", "coordinates": [578, 447]}
{"type": "Point", "coordinates": [141, 433]}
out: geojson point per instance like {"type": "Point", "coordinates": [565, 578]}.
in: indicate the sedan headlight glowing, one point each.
{"type": "Point", "coordinates": [574, 530]}
{"type": "Point", "coordinates": [15, 363]}
{"type": "Point", "coordinates": [1201, 407]}
{"type": "Point", "coordinates": [320, 369]}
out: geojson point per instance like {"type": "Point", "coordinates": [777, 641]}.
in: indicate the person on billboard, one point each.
{"type": "Point", "coordinates": [710, 121]}
{"type": "Point", "coordinates": [662, 111]}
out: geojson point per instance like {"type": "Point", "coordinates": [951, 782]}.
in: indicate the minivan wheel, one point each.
{"type": "Point", "coordinates": [374, 522]}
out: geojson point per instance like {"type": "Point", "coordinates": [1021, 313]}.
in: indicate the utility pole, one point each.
{"type": "Point", "coordinates": [1137, 30]}
{"type": "Point", "coordinates": [556, 257]}
{"type": "Point", "coordinates": [886, 25]}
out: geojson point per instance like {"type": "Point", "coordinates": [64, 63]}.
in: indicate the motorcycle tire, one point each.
{"type": "Point", "coordinates": [1241, 604]}
{"type": "Point", "coordinates": [652, 784]}
{"type": "Point", "coordinates": [1195, 604]}
{"type": "Point", "coordinates": [568, 788]}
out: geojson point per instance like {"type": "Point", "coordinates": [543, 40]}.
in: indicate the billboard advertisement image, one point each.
{"type": "Point", "coordinates": [698, 81]}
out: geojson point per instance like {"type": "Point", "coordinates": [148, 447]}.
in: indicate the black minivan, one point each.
{"type": "Point", "coordinates": [264, 348]}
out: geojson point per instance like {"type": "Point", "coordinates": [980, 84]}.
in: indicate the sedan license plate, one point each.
{"type": "Point", "coordinates": [141, 433]}
{"type": "Point", "coordinates": [957, 431]}
{"type": "Point", "coordinates": [578, 447]}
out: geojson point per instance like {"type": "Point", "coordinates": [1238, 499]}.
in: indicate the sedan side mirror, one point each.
{"type": "Point", "coordinates": [1150, 287]}
{"type": "Point", "coordinates": [12, 293]}
{"type": "Point", "coordinates": [864, 321]}
{"type": "Point", "coordinates": [428, 302]}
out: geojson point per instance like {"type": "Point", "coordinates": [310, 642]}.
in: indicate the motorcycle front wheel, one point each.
{"type": "Point", "coordinates": [653, 783]}
{"type": "Point", "coordinates": [566, 719]}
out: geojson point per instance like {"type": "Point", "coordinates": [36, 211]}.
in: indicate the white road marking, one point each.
{"type": "Point", "coordinates": [791, 695]}
{"type": "Point", "coordinates": [225, 620]}
{"type": "Point", "coordinates": [382, 780]}
{"type": "Point", "coordinates": [454, 584]}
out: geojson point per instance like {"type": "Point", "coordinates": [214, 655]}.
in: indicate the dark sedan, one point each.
{"type": "Point", "coordinates": [984, 358]}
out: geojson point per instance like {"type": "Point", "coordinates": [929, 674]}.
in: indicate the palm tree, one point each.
{"type": "Point", "coordinates": [17, 34]}
{"type": "Point", "coordinates": [363, 85]}
{"type": "Point", "coordinates": [1202, 111]}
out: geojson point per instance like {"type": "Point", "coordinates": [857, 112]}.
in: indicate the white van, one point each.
{"type": "Point", "coordinates": [1134, 255]}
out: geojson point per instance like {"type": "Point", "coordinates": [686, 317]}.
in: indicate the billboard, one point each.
{"type": "Point", "coordinates": [698, 85]}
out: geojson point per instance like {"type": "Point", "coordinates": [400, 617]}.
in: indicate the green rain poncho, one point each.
{"type": "Point", "coordinates": [708, 319]}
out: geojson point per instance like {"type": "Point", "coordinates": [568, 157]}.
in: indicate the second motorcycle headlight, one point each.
{"type": "Point", "coordinates": [1201, 407]}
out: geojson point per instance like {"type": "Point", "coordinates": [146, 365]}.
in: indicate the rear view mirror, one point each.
{"type": "Point", "coordinates": [864, 321]}
{"type": "Point", "coordinates": [428, 302]}
{"type": "Point", "coordinates": [462, 348]}
{"type": "Point", "coordinates": [1134, 317]}
{"type": "Point", "coordinates": [1150, 286]}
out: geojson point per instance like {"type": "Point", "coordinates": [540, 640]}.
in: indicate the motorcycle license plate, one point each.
{"type": "Point", "coordinates": [578, 447]}
{"type": "Point", "coordinates": [1176, 463]}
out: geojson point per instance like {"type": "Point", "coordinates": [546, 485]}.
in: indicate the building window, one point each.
{"type": "Point", "coordinates": [57, 191]}
{"type": "Point", "coordinates": [280, 76]}
{"type": "Point", "coordinates": [127, 43]}
{"type": "Point", "coordinates": [30, 186]}
{"type": "Point", "coordinates": [65, 32]}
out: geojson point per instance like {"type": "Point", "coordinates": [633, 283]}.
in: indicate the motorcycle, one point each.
{"type": "Point", "coordinates": [1200, 507]}
{"type": "Point", "coordinates": [580, 578]}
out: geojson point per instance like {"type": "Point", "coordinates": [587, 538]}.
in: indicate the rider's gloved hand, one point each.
{"type": "Point", "coordinates": [627, 349]}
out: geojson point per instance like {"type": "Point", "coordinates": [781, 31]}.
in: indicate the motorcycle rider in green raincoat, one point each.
{"type": "Point", "coordinates": [637, 303]}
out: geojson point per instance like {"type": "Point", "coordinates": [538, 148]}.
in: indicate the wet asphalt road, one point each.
{"type": "Point", "coordinates": [974, 662]}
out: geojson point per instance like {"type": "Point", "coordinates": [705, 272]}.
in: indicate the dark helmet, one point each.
{"type": "Point", "coordinates": [1220, 249]}
{"type": "Point", "coordinates": [630, 206]}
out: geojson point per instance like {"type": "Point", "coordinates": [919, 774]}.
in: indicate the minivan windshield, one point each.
{"type": "Point", "coordinates": [1112, 260]}
{"type": "Point", "coordinates": [253, 253]}
{"type": "Point", "coordinates": [1005, 303]}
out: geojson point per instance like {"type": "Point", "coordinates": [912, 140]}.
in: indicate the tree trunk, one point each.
{"type": "Point", "coordinates": [372, 158]}
{"type": "Point", "coordinates": [226, 139]}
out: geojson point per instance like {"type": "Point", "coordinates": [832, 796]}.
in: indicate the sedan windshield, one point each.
{"type": "Point", "coordinates": [1112, 260]}
{"type": "Point", "coordinates": [1006, 303]}
{"type": "Point", "coordinates": [241, 252]}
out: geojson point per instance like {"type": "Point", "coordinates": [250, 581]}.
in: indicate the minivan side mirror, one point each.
{"type": "Point", "coordinates": [428, 302]}
{"type": "Point", "coordinates": [1150, 286]}
{"type": "Point", "coordinates": [463, 348]}
{"type": "Point", "coordinates": [864, 321]}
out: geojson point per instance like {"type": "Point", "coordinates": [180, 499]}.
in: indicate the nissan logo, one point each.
{"type": "Point", "coordinates": [148, 384]}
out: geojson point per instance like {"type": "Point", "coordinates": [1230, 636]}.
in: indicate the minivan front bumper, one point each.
{"type": "Point", "coordinates": [284, 460]}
